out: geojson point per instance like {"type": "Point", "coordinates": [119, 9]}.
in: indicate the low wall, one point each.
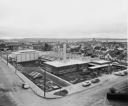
{"type": "Point", "coordinates": [57, 80]}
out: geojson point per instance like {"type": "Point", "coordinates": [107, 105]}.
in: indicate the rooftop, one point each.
{"type": "Point", "coordinates": [100, 61]}
{"type": "Point", "coordinates": [98, 66]}
{"type": "Point", "coordinates": [66, 63]}
{"type": "Point", "coordinates": [24, 51]}
{"type": "Point", "coordinates": [21, 51]}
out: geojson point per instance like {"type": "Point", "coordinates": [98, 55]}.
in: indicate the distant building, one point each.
{"type": "Point", "coordinates": [100, 62]}
{"type": "Point", "coordinates": [24, 55]}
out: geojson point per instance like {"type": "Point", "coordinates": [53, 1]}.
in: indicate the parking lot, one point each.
{"type": "Point", "coordinates": [40, 79]}
{"type": "Point", "coordinates": [32, 71]}
{"type": "Point", "coordinates": [36, 74]}
{"type": "Point", "coordinates": [80, 76]}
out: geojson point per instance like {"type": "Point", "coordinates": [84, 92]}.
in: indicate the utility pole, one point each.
{"type": "Point", "coordinates": [1, 54]}
{"type": "Point", "coordinates": [44, 83]}
{"type": "Point", "coordinates": [44, 73]}
{"type": "Point", "coordinates": [6, 51]}
{"type": "Point", "coordinates": [16, 64]}
{"type": "Point", "coordinates": [109, 71]}
{"type": "Point", "coordinates": [7, 57]}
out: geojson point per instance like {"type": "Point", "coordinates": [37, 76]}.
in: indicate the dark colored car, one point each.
{"type": "Point", "coordinates": [61, 93]}
{"type": "Point", "coordinates": [120, 74]}
{"type": "Point", "coordinates": [96, 80]}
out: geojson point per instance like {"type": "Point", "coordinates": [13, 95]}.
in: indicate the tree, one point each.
{"type": "Point", "coordinates": [2, 46]}
{"type": "Point", "coordinates": [47, 47]}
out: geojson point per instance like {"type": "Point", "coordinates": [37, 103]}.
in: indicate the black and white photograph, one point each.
{"type": "Point", "coordinates": [63, 53]}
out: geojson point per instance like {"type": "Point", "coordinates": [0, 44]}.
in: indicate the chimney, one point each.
{"type": "Point", "coordinates": [64, 52]}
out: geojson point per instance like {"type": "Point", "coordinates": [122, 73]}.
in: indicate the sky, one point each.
{"type": "Point", "coordinates": [63, 18]}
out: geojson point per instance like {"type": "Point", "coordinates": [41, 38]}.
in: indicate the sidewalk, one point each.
{"type": "Point", "coordinates": [73, 88]}
{"type": "Point", "coordinates": [34, 88]}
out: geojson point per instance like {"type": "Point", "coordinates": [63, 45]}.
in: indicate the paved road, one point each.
{"type": "Point", "coordinates": [8, 83]}
{"type": "Point", "coordinates": [91, 97]}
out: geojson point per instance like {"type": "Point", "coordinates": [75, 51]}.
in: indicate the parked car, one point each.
{"type": "Point", "coordinates": [73, 81]}
{"type": "Point", "coordinates": [125, 72]}
{"type": "Point", "coordinates": [115, 63]}
{"type": "Point", "coordinates": [96, 80]}
{"type": "Point", "coordinates": [61, 93]}
{"type": "Point", "coordinates": [119, 73]}
{"type": "Point", "coordinates": [87, 83]}
{"type": "Point", "coordinates": [25, 86]}
{"type": "Point", "coordinates": [55, 87]}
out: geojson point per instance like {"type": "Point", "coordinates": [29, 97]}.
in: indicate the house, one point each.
{"type": "Point", "coordinates": [115, 55]}
{"type": "Point", "coordinates": [109, 57]}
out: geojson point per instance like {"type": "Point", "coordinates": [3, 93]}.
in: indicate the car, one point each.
{"type": "Point", "coordinates": [73, 81]}
{"type": "Point", "coordinates": [96, 80]}
{"type": "Point", "coordinates": [115, 63]}
{"type": "Point", "coordinates": [125, 72]}
{"type": "Point", "coordinates": [63, 92]}
{"type": "Point", "coordinates": [119, 74]}
{"type": "Point", "coordinates": [25, 86]}
{"type": "Point", "coordinates": [55, 87]}
{"type": "Point", "coordinates": [87, 83]}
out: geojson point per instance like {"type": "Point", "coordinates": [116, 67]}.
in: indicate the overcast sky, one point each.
{"type": "Point", "coordinates": [63, 18]}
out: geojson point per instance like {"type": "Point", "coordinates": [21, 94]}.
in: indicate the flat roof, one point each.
{"type": "Point", "coordinates": [66, 63]}
{"type": "Point", "coordinates": [24, 51]}
{"type": "Point", "coordinates": [100, 61]}
{"type": "Point", "coordinates": [45, 57]}
{"type": "Point", "coordinates": [21, 51]}
{"type": "Point", "coordinates": [98, 66]}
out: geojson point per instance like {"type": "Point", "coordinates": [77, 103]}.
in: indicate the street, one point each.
{"type": "Point", "coordinates": [94, 96]}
